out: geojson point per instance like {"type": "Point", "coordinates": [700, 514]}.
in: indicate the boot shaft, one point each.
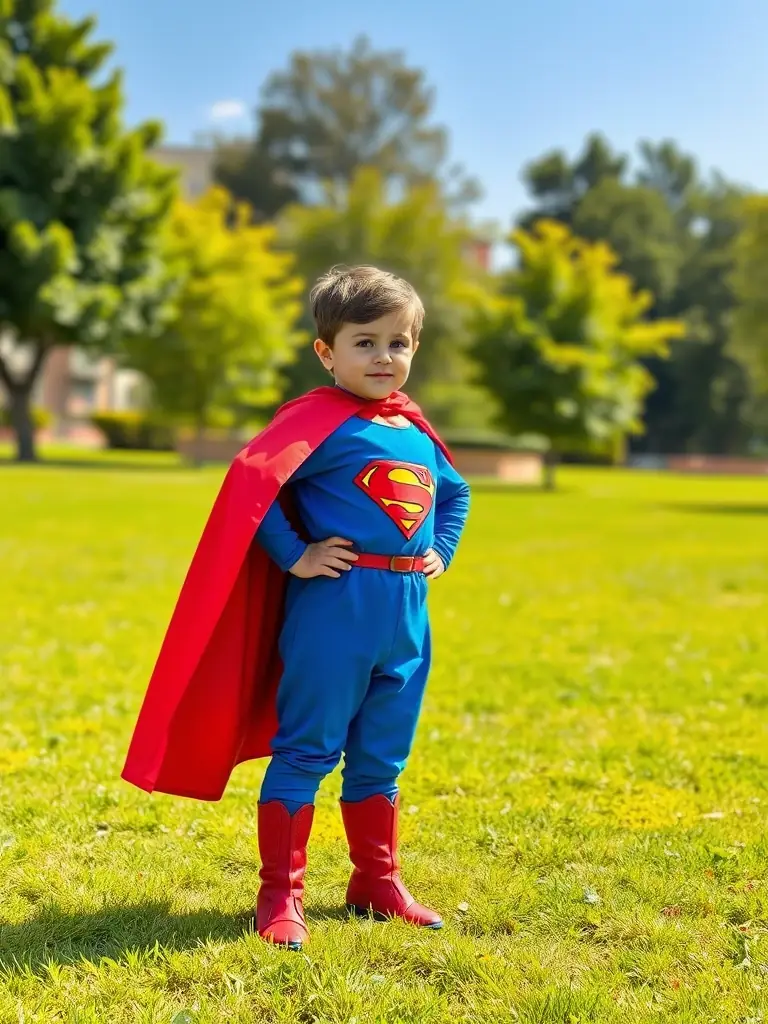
{"type": "Point", "coordinates": [371, 827]}
{"type": "Point", "coordinates": [283, 842]}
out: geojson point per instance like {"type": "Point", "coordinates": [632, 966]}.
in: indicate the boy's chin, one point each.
{"type": "Point", "coordinates": [370, 389]}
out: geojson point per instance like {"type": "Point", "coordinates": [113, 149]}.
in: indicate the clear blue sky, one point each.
{"type": "Point", "coordinates": [513, 78]}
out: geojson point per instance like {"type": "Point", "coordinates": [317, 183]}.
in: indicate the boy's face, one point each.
{"type": "Point", "coordinates": [371, 360]}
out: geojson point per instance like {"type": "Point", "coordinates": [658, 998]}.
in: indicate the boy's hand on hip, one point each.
{"type": "Point", "coordinates": [326, 558]}
{"type": "Point", "coordinates": [433, 565]}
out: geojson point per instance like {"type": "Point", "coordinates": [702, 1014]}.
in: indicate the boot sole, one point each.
{"type": "Point", "coordinates": [293, 947]}
{"type": "Point", "coordinates": [355, 911]}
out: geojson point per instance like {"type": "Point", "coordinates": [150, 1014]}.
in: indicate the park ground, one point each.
{"type": "Point", "coordinates": [586, 802]}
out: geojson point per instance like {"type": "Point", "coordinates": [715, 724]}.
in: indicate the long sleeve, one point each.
{"type": "Point", "coordinates": [451, 511]}
{"type": "Point", "coordinates": [278, 538]}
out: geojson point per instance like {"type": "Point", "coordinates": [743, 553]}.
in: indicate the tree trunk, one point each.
{"type": "Point", "coordinates": [550, 465]}
{"type": "Point", "coordinates": [19, 393]}
{"type": "Point", "coordinates": [199, 444]}
{"type": "Point", "coordinates": [23, 426]}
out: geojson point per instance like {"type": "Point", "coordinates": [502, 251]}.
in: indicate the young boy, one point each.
{"type": "Point", "coordinates": [353, 502]}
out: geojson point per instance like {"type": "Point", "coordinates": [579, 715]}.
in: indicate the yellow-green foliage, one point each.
{"type": "Point", "coordinates": [560, 344]}
{"type": "Point", "coordinates": [234, 325]}
{"type": "Point", "coordinates": [585, 803]}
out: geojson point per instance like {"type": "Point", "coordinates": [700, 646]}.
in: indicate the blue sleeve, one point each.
{"type": "Point", "coordinates": [275, 533]}
{"type": "Point", "coordinates": [452, 509]}
{"type": "Point", "coordinates": [279, 539]}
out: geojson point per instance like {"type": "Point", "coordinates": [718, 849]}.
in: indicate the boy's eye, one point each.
{"type": "Point", "coordinates": [399, 343]}
{"type": "Point", "coordinates": [363, 343]}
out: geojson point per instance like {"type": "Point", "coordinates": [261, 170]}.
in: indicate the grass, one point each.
{"type": "Point", "coordinates": [585, 804]}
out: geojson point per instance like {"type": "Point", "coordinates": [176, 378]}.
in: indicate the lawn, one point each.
{"type": "Point", "coordinates": [586, 802]}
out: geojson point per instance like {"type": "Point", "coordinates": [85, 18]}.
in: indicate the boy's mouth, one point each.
{"type": "Point", "coordinates": [385, 376]}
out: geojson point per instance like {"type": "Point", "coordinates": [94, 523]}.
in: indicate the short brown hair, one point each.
{"type": "Point", "coordinates": [358, 295]}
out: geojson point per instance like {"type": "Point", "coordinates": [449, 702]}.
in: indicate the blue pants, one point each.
{"type": "Point", "coordinates": [356, 654]}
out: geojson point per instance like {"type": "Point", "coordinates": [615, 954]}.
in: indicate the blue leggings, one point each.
{"type": "Point", "coordinates": [356, 655]}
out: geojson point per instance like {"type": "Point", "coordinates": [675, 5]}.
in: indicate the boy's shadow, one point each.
{"type": "Point", "coordinates": [61, 937]}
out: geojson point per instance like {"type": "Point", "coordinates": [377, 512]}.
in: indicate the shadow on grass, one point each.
{"type": "Point", "coordinates": [62, 937]}
{"type": "Point", "coordinates": [717, 508]}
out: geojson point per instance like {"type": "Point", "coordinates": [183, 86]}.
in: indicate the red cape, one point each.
{"type": "Point", "coordinates": [210, 703]}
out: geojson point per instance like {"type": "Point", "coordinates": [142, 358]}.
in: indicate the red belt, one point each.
{"type": "Point", "coordinates": [395, 563]}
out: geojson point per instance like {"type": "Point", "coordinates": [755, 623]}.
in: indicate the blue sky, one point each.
{"type": "Point", "coordinates": [513, 78]}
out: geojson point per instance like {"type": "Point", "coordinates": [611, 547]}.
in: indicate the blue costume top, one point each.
{"type": "Point", "coordinates": [388, 490]}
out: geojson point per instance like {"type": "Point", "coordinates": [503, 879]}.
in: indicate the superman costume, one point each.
{"type": "Point", "coordinates": [213, 700]}
{"type": "Point", "coordinates": [356, 650]}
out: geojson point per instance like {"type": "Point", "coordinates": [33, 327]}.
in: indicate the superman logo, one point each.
{"type": "Point", "coordinates": [401, 489]}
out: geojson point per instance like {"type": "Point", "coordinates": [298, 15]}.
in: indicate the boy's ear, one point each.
{"type": "Point", "coordinates": [324, 353]}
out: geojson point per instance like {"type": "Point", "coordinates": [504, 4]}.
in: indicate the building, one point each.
{"type": "Point", "coordinates": [195, 164]}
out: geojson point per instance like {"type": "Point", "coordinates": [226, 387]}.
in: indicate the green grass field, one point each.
{"type": "Point", "coordinates": [586, 803]}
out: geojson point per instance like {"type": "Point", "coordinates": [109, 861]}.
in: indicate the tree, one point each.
{"type": "Point", "coordinates": [640, 227]}
{"type": "Point", "coordinates": [246, 169]}
{"type": "Point", "coordinates": [234, 323]}
{"type": "Point", "coordinates": [560, 345]}
{"type": "Point", "coordinates": [81, 206]}
{"type": "Point", "coordinates": [559, 186]}
{"type": "Point", "coordinates": [673, 235]}
{"type": "Point", "coordinates": [750, 283]}
{"type": "Point", "coordinates": [414, 236]}
{"type": "Point", "coordinates": [331, 113]}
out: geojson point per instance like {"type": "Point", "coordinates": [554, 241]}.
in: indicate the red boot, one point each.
{"type": "Point", "coordinates": [375, 885]}
{"type": "Point", "coordinates": [283, 847]}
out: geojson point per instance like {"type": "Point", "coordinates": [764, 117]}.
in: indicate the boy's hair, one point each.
{"type": "Point", "coordinates": [358, 295]}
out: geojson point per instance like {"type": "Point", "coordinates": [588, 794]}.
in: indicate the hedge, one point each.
{"type": "Point", "coordinates": [135, 431]}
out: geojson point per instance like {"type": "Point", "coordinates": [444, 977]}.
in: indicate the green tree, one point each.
{"type": "Point", "coordinates": [558, 185]}
{"type": "Point", "coordinates": [331, 113]}
{"type": "Point", "coordinates": [81, 207]}
{"type": "Point", "coordinates": [750, 283]}
{"type": "Point", "coordinates": [673, 234]}
{"type": "Point", "coordinates": [414, 236]}
{"type": "Point", "coordinates": [234, 325]}
{"type": "Point", "coordinates": [560, 345]}
{"type": "Point", "coordinates": [246, 169]}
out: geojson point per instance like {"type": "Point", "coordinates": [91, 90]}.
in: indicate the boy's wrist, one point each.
{"type": "Point", "coordinates": [296, 556]}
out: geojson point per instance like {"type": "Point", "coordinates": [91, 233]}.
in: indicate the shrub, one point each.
{"type": "Point", "coordinates": [41, 418]}
{"type": "Point", "coordinates": [135, 431]}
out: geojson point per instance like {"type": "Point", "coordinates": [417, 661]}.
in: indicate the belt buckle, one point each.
{"type": "Point", "coordinates": [396, 563]}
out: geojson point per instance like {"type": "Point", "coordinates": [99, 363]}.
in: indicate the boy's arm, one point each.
{"type": "Point", "coordinates": [279, 539]}
{"type": "Point", "coordinates": [275, 533]}
{"type": "Point", "coordinates": [284, 546]}
{"type": "Point", "coordinates": [451, 511]}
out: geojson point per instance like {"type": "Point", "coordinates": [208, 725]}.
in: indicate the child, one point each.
{"type": "Point", "coordinates": [378, 511]}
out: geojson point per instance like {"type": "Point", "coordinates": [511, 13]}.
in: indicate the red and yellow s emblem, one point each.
{"type": "Point", "coordinates": [403, 490]}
